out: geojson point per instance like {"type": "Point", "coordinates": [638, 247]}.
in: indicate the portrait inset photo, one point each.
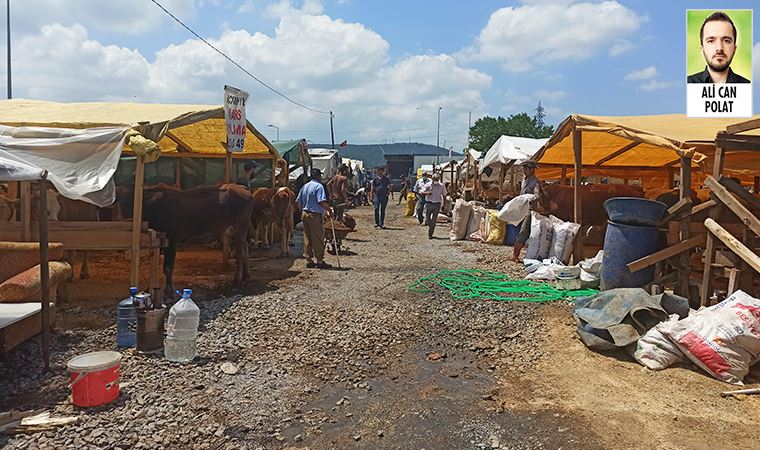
{"type": "Point", "coordinates": [719, 46]}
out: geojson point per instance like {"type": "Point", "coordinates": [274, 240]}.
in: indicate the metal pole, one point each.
{"type": "Point", "coordinates": [332, 131]}
{"type": "Point", "coordinates": [277, 129]}
{"type": "Point", "coordinates": [8, 43]}
{"type": "Point", "coordinates": [438, 137]}
{"type": "Point", "coordinates": [44, 271]}
{"type": "Point", "coordinates": [469, 126]}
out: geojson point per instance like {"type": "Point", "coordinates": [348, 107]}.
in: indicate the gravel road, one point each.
{"type": "Point", "coordinates": [325, 359]}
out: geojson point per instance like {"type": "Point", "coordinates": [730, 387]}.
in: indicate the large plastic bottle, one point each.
{"type": "Point", "coordinates": [182, 329]}
{"type": "Point", "coordinates": [126, 320]}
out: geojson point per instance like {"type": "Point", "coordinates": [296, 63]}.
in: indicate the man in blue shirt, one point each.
{"type": "Point", "coordinates": [313, 202]}
{"type": "Point", "coordinates": [381, 189]}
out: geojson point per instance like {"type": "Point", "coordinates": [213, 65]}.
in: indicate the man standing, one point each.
{"type": "Point", "coordinates": [338, 190]}
{"type": "Point", "coordinates": [313, 202]}
{"type": "Point", "coordinates": [717, 39]}
{"type": "Point", "coordinates": [434, 193]}
{"type": "Point", "coordinates": [420, 208]}
{"type": "Point", "coordinates": [530, 185]}
{"type": "Point", "coordinates": [381, 189]}
{"type": "Point", "coordinates": [249, 167]}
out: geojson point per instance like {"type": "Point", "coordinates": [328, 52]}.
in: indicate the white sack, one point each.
{"type": "Point", "coordinates": [563, 237]}
{"type": "Point", "coordinates": [654, 350]}
{"type": "Point", "coordinates": [723, 339]}
{"type": "Point", "coordinates": [478, 212]}
{"type": "Point", "coordinates": [540, 240]}
{"type": "Point", "coordinates": [516, 209]}
{"type": "Point", "coordinates": [460, 217]}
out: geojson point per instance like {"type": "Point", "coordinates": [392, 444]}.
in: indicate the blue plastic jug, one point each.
{"type": "Point", "coordinates": [126, 321]}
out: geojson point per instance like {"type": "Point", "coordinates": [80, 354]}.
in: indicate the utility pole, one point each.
{"type": "Point", "coordinates": [8, 43]}
{"type": "Point", "coordinates": [540, 115]}
{"type": "Point", "coordinates": [438, 137]}
{"type": "Point", "coordinates": [278, 131]}
{"type": "Point", "coordinates": [332, 131]}
{"type": "Point", "coordinates": [469, 126]}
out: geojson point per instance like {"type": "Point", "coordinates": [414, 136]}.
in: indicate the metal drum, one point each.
{"type": "Point", "coordinates": [150, 330]}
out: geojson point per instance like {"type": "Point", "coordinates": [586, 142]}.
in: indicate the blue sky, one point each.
{"type": "Point", "coordinates": [384, 67]}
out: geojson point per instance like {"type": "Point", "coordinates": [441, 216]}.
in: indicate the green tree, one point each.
{"type": "Point", "coordinates": [487, 130]}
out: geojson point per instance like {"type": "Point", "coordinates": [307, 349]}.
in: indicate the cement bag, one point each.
{"type": "Point", "coordinates": [442, 218]}
{"type": "Point", "coordinates": [540, 240]}
{"type": "Point", "coordinates": [563, 238]}
{"type": "Point", "coordinates": [497, 230]}
{"type": "Point", "coordinates": [475, 219]}
{"type": "Point", "coordinates": [460, 217]}
{"type": "Point", "coordinates": [411, 203]}
{"type": "Point", "coordinates": [723, 339]}
{"type": "Point", "coordinates": [516, 209]}
{"type": "Point", "coordinates": [654, 350]}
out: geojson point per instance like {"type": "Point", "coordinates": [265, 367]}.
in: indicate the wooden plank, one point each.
{"type": "Point", "coordinates": [751, 201]}
{"type": "Point", "coordinates": [734, 205]}
{"type": "Point", "coordinates": [743, 126]}
{"type": "Point", "coordinates": [738, 143]}
{"type": "Point", "coordinates": [734, 275]}
{"type": "Point", "coordinates": [94, 240]}
{"type": "Point", "coordinates": [616, 153]}
{"type": "Point", "coordinates": [732, 243]}
{"type": "Point", "coordinates": [578, 156]}
{"type": "Point", "coordinates": [684, 191]}
{"type": "Point", "coordinates": [666, 253]}
{"type": "Point", "coordinates": [699, 228]}
{"type": "Point", "coordinates": [181, 145]}
{"type": "Point", "coordinates": [707, 278]}
{"type": "Point", "coordinates": [680, 208]}
{"type": "Point", "coordinates": [80, 226]}
{"type": "Point", "coordinates": [703, 206]}
{"type": "Point", "coordinates": [18, 332]}
{"type": "Point", "coordinates": [134, 274]}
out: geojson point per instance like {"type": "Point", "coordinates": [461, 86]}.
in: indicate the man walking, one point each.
{"type": "Point", "coordinates": [313, 202]}
{"type": "Point", "coordinates": [381, 189]}
{"type": "Point", "coordinates": [404, 189]}
{"type": "Point", "coordinates": [434, 193]}
{"type": "Point", "coordinates": [420, 208]}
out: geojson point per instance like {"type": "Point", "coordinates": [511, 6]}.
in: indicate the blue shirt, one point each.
{"type": "Point", "coordinates": [310, 195]}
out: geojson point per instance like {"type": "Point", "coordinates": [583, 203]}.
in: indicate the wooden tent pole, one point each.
{"type": "Point", "coordinates": [227, 166]}
{"type": "Point", "coordinates": [578, 155]}
{"type": "Point", "coordinates": [44, 272]}
{"type": "Point", "coordinates": [706, 291]}
{"type": "Point", "coordinates": [134, 274]}
{"type": "Point", "coordinates": [684, 190]}
{"type": "Point", "coordinates": [26, 211]}
{"type": "Point", "coordinates": [501, 181]}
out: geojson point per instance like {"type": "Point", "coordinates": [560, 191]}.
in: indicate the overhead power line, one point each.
{"type": "Point", "coordinates": [236, 64]}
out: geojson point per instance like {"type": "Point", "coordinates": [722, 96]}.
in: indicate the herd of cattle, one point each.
{"type": "Point", "coordinates": [186, 214]}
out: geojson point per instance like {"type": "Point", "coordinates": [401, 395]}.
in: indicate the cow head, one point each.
{"type": "Point", "coordinates": [125, 197]}
{"type": "Point", "coordinates": [53, 207]}
{"type": "Point", "coordinates": [545, 203]}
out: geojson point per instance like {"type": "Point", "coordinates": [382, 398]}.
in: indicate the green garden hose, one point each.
{"type": "Point", "coordinates": [466, 284]}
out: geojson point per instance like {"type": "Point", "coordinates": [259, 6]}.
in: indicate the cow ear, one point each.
{"type": "Point", "coordinates": [151, 197]}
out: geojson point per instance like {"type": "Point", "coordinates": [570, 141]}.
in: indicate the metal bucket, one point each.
{"type": "Point", "coordinates": [624, 244]}
{"type": "Point", "coordinates": [150, 330]}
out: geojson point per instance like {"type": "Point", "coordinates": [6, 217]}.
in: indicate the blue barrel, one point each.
{"type": "Point", "coordinates": [511, 236]}
{"type": "Point", "coordinates": [126, 321]}
{"type": "Point", "coordinates": [624, 244]}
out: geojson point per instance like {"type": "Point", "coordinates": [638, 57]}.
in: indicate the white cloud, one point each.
{"type": "Point", "coordinates": [545, 94]}
{"type": "Point", "coordinates": [114, 16]}
{"type": "Point", "coordinates": [538, 33]}
{"type": "Point", "coordinates": [655, 85]}
{"type": "Point", "coordinates": [319, 61]}
{"type": "Point", "coordinates": [248, 6]}
{"type": "Point", "coordinates": [642, 74]}
{"type": "Point", "coordinates": [62, 63]}
{"type": "Point", "coordinates": [284, 8]}
{"type": "Point", "coordinates": [620, 47]}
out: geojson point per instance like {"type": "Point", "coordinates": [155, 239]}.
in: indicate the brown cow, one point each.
{"type": "Point", "coordinates": [558, 200]}
{"type": "Point", "coordinates": [195, 212]}
{"type": "Point", "coordinates": [274, 207]}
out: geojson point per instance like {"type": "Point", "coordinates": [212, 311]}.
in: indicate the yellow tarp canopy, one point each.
{"type": "Point", "coordinates": [175, 127]}
{"type": "Point", "coordinates": [637, 146]}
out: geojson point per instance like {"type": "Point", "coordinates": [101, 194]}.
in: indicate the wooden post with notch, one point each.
{"type": "Point", "coordinates": [707, 286]}
{"type": "Point", "coordinates": [577, 206]}
{"type": "Point", "coordinates": [134, 274]}
{"type": "Point", "coordinates": [684, 191]}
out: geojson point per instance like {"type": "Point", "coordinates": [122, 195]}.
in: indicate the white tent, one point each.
{"type": "Point", "coordinates": [511, 149]}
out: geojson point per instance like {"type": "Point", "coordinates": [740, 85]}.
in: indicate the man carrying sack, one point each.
{"type": "Point", "coordinates": [313, 202]}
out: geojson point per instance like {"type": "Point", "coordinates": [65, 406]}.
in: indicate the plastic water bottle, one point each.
{"type": "Point", "coordinates": [182, 329]}
{"type": "Point", "coordinates": [126, 321]}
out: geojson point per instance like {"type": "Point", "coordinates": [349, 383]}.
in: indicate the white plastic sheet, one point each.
{"type": "Point", "coordinates": [507, 149]}
{"type": "Point", "coordinates": [80, 163]}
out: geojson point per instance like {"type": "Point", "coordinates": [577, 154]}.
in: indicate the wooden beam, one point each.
{"type": "Point", "coordinates": [682, 207]}
{"type": "Point", "coordinates": [734, 275]}
{"type": "Point", "coordinates": [44, 271]}
{"type": "Point", "coordinates": [732, 243]}
{"type": "Point", "coordinates": [684, 191]}
{"type": "Point", "coordinates": [616, 153]}
{"type": "Point", "coordinates": [134, 274]}
{"type": "Point", "coordinates": [703, 206]}
{"type": "Point", "coordinates": [738, 144]}
{"type": "Point", "coordinates": [182, 146]}
{"type": "Point", "coordinates": [734, 205]}
{"type": "Point", "coordinates": [707, 278]}
{"type": "Point", "coordinates": [743, 126]}
{"type": "Point", "coordinates": [666, 253]}
{"type": "Point", "coordinates": [578, 156]}
{"type": "Point", "coordinates": [752, 201]}
{"type": "Point", "coordinates": [563, 176]}
{"type": "Point", "coordinates": [26, 211]}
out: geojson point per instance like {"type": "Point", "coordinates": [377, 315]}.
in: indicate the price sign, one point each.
{"type": "Point", "coordinates": [234, 117]}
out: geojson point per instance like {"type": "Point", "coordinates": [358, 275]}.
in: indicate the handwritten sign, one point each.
{"type": "Point", "coordinates": [234, 117]}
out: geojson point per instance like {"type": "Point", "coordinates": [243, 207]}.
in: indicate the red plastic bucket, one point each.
{"type": "Point", "coordinates": [94, 378]}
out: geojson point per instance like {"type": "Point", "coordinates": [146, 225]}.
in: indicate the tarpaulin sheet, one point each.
{"type": "Point", "coordinates": [175, 127]}
{"type": "Point", "coordinates": [80, 163]}
{"type": "Point", "coordinates": [511, 149]}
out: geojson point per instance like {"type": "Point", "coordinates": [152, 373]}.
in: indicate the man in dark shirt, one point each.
{"type": "Point", "coordinates": [381, 189]}
{"type": "Point", "coordinates": [249, 167]}
{"type": "Point", "coordinates": [717, 39]}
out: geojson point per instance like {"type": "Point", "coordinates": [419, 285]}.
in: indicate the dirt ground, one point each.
{"type": "Point", "coordinates": [352, 359]}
